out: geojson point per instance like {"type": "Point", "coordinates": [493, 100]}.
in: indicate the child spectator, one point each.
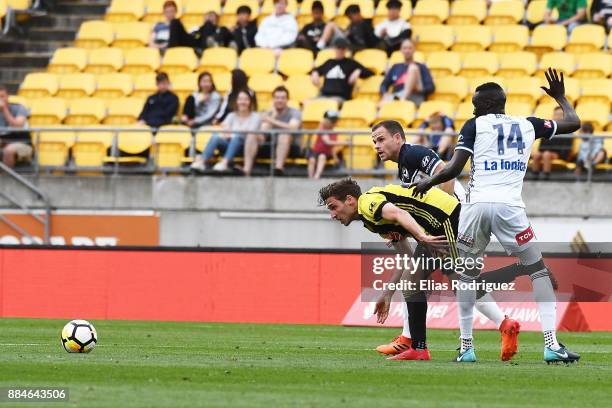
{"type": "Point", "coordinates": [202, 106]}
{"type": "Point", "coordinates": [161, 31]}
{"type": "Point", "coordinates": [591, 150]}
{"type": "Point", "coordinates": [210, 34]}
{"type": "Point", "coordinates": [323, 148]}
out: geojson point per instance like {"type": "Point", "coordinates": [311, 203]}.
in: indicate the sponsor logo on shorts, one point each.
{"type": "Point", "coordinates": [465, 240]}
{"type": "Point", "coordinates": [525, 236]}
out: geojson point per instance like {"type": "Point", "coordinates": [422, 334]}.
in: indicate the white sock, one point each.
{"type": "Point", "coordinates": [465, 303]}
{"type": "Point", "coordinates": [547, 305]}
{"type": "Point", "coordinates": [321, 44]}
{"type": "Point", "coordinates": [406, 329]}
{"type": "Point", "coordinates": [487, 306]}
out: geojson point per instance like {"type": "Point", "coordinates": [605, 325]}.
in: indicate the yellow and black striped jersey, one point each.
{"type": "Point", "coordinates": [431, 211]}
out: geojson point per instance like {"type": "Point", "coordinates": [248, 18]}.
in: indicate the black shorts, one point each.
{"type": "Point", "coordinates": [449, 229]}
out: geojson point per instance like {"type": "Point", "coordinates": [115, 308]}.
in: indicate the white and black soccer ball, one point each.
{"type": "Point", "coordinates": [79, 336]}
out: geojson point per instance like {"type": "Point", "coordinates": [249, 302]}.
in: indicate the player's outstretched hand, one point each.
{"type": "Point", "coordinates": [383, 304]}
{"type": "Point", "coordinates": [421, 188]}
{"type": "Point", "coordinates": [556, 84]}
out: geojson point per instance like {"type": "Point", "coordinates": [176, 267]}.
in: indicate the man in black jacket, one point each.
{"type": "Point", "coordinates": [160, 108]}
{"type": "Point", "coordinates": [245, 29]}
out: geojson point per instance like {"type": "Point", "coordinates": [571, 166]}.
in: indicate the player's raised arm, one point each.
{"type": "Point", "coordinates": [449, 172]}
{"type": "Point", "coordinates": [556, 90]}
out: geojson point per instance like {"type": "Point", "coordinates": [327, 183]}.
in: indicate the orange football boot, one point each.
{"type": "Point", "coordinates": [509, 330]}
{"type": "Point", "coordinates": [399, 344]}
{"type": "Point", "coordinates": [412, 354]}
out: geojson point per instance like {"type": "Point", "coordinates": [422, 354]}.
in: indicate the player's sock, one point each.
{"type": "Point", "coordinates": [547, 305]}
{"type": "Point", "coordinates": [417, 312]}
{"type": "Point", "coordinates": [406, 328]}
{"type": "Point", "coordinates": [466, 343]}
{"type": "Point", "coordinates": [550, 340]}
{"type": "Point", "coordinates": [488, 307]}
{"type": "Point", "coordinates": [466, 298]}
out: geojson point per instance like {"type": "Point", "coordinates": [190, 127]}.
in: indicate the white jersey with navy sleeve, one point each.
{"type": "Point", "coordinates": [500, 146]}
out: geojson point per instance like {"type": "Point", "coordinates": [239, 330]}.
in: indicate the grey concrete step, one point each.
{"type": "Point", "coordinates": [16, 74]}
{"type": "Point", "coordinates": [66, 21]}
{"type": "Point", "coordinates": [81, 7]}
{"type": "Point", "coordinates": [25, 60]}
{"type": "Point", "coordinates": [12, 46]}
{"type": "Point", "coordinates": [51, 34]}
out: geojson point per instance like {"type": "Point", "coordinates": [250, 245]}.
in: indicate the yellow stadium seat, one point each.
{"type": "Point", "coordinates": [401, 111]}
{"type": "Point", "coordinates": [154, 10]}
{"type": "Point", "coordinates": [257, 61]}
{"type": "Point", "coordinates": [133, 143]}
{"type": "Point", "coordinates": [144, 85]}
{"type": "Point", "coordinates": [72, 86]}
{"type": "Point", "coordinates": [115, 85]}
{"type": "Point", "coordinates": [467, 12]}
{"type": "Point", "coordinates": [171, 142]}
{"type": "Point", "coordinates": [471, 38]}
{"type": "Point", "coordinates": [572, 89]}
{"type": "Point", "coordinates": [95, 34]}
{"type": "Point", "coordinates": [444, 63]}
{"type": "Point", "coordinates": [52, 147]}
{"type": "Point", "coordinates": [134, 34]}
{"type": "Point", "coordinates": [526, 89]}
{"type": "Point", "coordinates": [228, 18]}
{"type": "Point", "coordinates": [39, 85]}
{"type": "Point", "coordinates": [451, 89]}
{"type": "Point", "coordinates": [218, 59]}
{"type": "Point", "coordinates": [366, 6]}
{"type": "Point", "coordinates": [68, 60]}
{"type": "Point", "coordinates": [90, 147]}
{"type": "Point", "coordinates": [141, 60]}
{"type": "Point", "coordinates": [430, 12]}
{"type": "Point", "coordinates": [465, 111]}
{"type": "Point", "coordinates": [381, 11]}
{"type": "Point", "coordinates": [428, 108]}
{"type": "Point", "coordinates": [47, 111]}
{"type": "Point", "coordinates": [593, 66]}
{"type": "Point", "coordinates": [509, 38]}
{"type": "Point", "coordinates": [85, 111]}
{"type": "Point", "coordinates": [545, 110]}
{"type": "Point", "coordinates": [201, 139]}
{"type": "Point", "coordinates": [123, 111]}
{"type": "Point", "coordinates": [295, 61]}
{"type": "Point", "coordinates": [398, 58]}
{"type": "Point", "coordinates": [179, 60]}
{"type": "Point", "coordinates": [360, 155]}
{"type": "Point", "coordinates": [517, 64]}
{"type": "Point", "coordinates": [596, 91]}
{"type": "Point", "coordinates": [547, 38]}
{"type": "Point", "coordinates": [223, 81]}
{"type": "Point", "coordinates": [561, 61]}
{"type": "Point", "coordinates": [519, 109]}
{"type": "Point", "coordinates": [369, 88]}
{"type": "Point", "coordinates": [479, 64]}
{"type": "Point", "coordinates": [263, 85]}
{"type": "Point", "coordinates": [596, 113]}
{"type": "Point", "coordinates": [475, 82]}
{"type": "Point", "coordinates": [105, 60]}
{"type": "Point", "coordinates": [535, 11]}
{"type": "Point", "coordinates": [195, 10]}
{"type": "Point", "coordinates": [374, 59]}
{"type": "Point", "coordinates": [301, 88]}
{"type": "Point", "coordinates": [314, 110]}
{"type": "Point", "coordinates": [433, 37]}
{"type": "Point", "coordinates": [184, 84]}
{"type": "Point", "coordinates": [357, 113]}
{"type": "Point", "coordinates": [125, 10]}
{"type": "Point", "coordinates": [505, 12]}
{"type": "Point", "coordinates": [586, 38]}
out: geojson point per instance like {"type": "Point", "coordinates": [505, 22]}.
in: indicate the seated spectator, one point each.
{"type": "Point", "coordinates": [409, 80]}
{"type": "Point", "coordinates": [359, 32]}
{"type": "Point", "coordinates": [323, 148]}
{"type": "Point", "coordinates": [591, 150]}
{"type": "Point", "coordinates": [239, 82]}
{"type": "Point", "coordinates": [393, 30]}
{"type": "Point", "coordinates": [440, 143]}
{"type": "Point", "coordinates": [161, 31]}
{"type": "Point", "coordinates": [601, 13]}
{"type": "Point", "coordinates": [312, 32]}
{"type": "Point", "coordinates": [210, 34]}
{"type": "Point", "coordinates": [245, 29]}
{"type": "Point", "coordinates": [340, 73]}
{"type": "Point", "coordinates": [571, 13]}
{"type": "Point", "coordinates": [278, 30]}
{"type": "Point", "coordinates": [202, 106]}
{"type": "Point", "coordinates": [230, 144]}
{"type": "Point", "coordinates": [15, 146]}
{"type": "Point", "coordinates": [280, 117]}
{"type": "Point", "coordinates": [160, 108]}
{"type": "Point", "coordinates": [549, 150]}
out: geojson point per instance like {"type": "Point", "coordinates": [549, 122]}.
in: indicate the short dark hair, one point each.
{"type": "Point", "coordinates": [340, 190]}
{"type": "Point", "coordinates": [489, 98]}
{"type": "Point", "coordinates": [352, 9]}
{"type": "Point", "coordinates": [170, 3]}
{"type": "Point", "coordinates": [317, 5]}
{"type": "Point", "coordinates": [244, 10]}
{"type": "Point", "coordinates": [396, 4]}
{"type": "Point", "coordinates": [587, 127]}
{"type": "Point", "coordinates": [281, 88]}
{"type": "Point", "coordinates": [162, 76]}
{"type": "Point", "coordinates": [392, 126]}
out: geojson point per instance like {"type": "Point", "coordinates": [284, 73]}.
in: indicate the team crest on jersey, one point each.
{"type": "Point", "coordinates": [524, 237]}
{"type": "Point", "coordinates": [371, 208]}
{"type": "Point", "coordinates": [404, 173]}
{"type": "Point", "coordinates": [425, 161]}
{"type": "Point", "coordinates": [465, 240]}
{"type": "Point", "coordinates": [547, 124]}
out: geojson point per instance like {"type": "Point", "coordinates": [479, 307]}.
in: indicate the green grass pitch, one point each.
{"type": "Point", "coordinates": [153, 364]}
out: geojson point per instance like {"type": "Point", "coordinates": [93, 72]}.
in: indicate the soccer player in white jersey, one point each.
{"type": "Point", "coordinates": [499, 146]}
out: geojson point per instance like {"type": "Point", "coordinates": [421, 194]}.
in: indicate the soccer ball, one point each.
{"type": "Point", "coordinates": [79, 336]}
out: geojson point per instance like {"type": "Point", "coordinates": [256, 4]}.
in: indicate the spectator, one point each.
{"type": "Point", "coordinates": [323, 148]}
{"type": "Point", "coordinates": [601, 13]}
{"type": "Point", "coordinates": [161, 31]}
{"type": "Point", "coordinates": [312, 32]}
{"type": "Point", "coordinates": [230, 144]}
{"type": "Point", "coordinates": [549, 150]}
{"type": "Point", "coordinates": [409, 80]}
{"type": "Point", "coordinates": [340, 73]}
{"type": "Point", "coordinates": [359, 33]}
{"type": "Point", "coordinates": [280, 117]}
{"type": "Point", "coordinates": [439, 141]}
{"type": "Point", "coordinates": [160, 108]}
{"type": "Point", "coordinates": [393, 30]}
{"type": "Point", "coordinates": [15, 146]}
{"type": "Point", "coordinates": [571, 13]}
{"type": "Point", "coordinates": [210, 34]}
{"type": "Point", "coordinates": [245, 29]}
{"type": "Point", "coordinates": [591, 151]}
{"type": "Point", "coordinates": [239, 82]}
{"type": "Point", "coordinates": [278, 30]}
{"type": "Point", "coordinates": [202, 106]}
